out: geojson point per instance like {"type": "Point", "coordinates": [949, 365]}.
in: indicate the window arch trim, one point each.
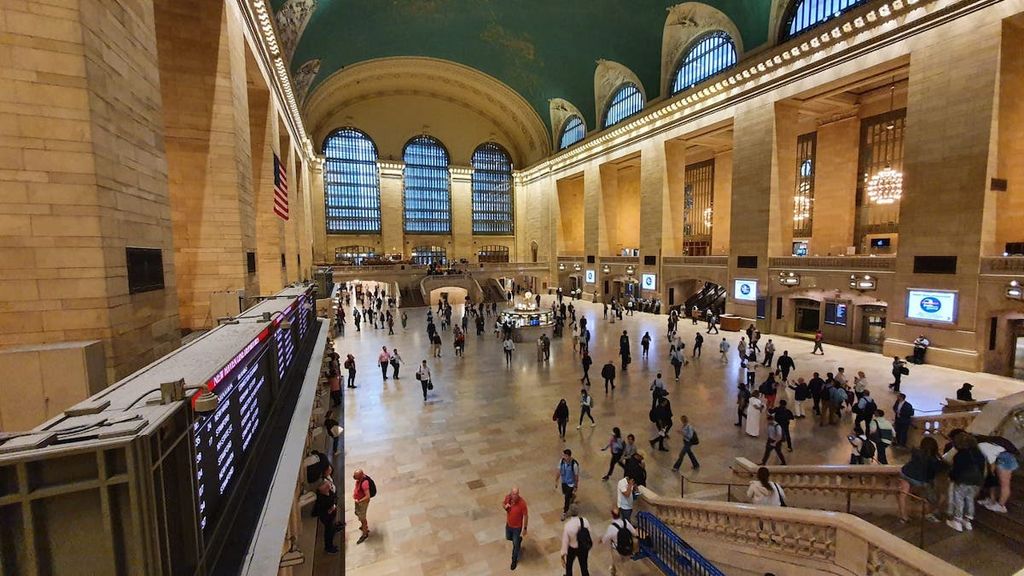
{"type": "Point", "coordinates": [804, 15]}
{"type": "Point", "coordinates": [572, 122]}
{"type": "Point", "coordinates": [352, 200]}
{"type": "Point", "coordinates": [720, 62]}
{"type": "Point", "coordinates": [631, 104]}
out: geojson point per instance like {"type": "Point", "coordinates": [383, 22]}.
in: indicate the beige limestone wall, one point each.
{"type": "Point", "coordinates": [203, 81]}
{"type": "Point", "coordinates": [263, 128]}
{"type": "Point", "coordinates": [291, 226]}
{"type": "Point", "coordinates": [41, 381]}
{"type": "Point", "coordinates": [82, 176]}
{"type": "Point", "coordinates": [570, 215]}
{"type": "Point", "coordinates": [722, 214]}
{"type": "Point", "coordinates": [1009, 205]}
{"type": "Point", "coordinates": [672, 197]}
{"type": "Point", "coordinates": [835, 187]}
{"type": "Point", "coordinates": [946, 161]}
{"type": "Point", "coordinates": [319, 217]}
{"type": "Point", "coordinates": [625, 211]}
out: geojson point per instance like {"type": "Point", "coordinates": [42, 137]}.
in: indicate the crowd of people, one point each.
{"type": "Point", "coordinates": [773, 398]}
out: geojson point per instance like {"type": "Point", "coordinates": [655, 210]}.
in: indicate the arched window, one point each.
{"type": "Point", "coordinates": [492, 190]}
{"type": "Point", "coordinates": [351, 183]}
{"type": "Point", "coordinates": [427, 196]}
{"type": "Point", "coordinates": [573, 130]}
{"type": "Point", "coordinates": [492, 254]}
{"type": "Point", "coordinates": [426, 255]}
{"type": "Point", "coordinates": [806, 14]}
{"type": "Point", "coordinates": [354, 255]}
{"type": "Point", "coordinates": [626, 101]}
{"type": "Point", "coordinates": [709, 55]}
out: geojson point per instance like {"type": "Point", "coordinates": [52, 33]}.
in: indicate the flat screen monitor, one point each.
{"type": "Point", "coordinates": [649, 281]}
{"type": "Point", "coordinates": [745, 290]}
{"type": "Point", "coordinates": [931, 305]}
{"type": "Point", "coordinates": [591, 276]}
{"type": "Point", "coordinates": [881, 242]}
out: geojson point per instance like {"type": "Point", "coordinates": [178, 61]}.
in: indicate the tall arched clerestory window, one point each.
{"type": "Point", "coordinates": [351, 183]}
{"type": "Point", "coordinates": [625, 102]}
{"type": "Point", "coordinates": [493, 203]}
{"type": "Point", "coordinates": [803, 15]}
{"type": "Point", "coordinates": [573, 131]}
{"type": "Point", "coordinates": [426, 197]}
{"type": "Point", "coordinates": [707, 55]}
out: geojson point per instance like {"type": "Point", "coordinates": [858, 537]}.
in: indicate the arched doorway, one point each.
{"type": "Point", "coordinates": [454, 295]}
{"type": "Point", "coordinates": [534, 248]}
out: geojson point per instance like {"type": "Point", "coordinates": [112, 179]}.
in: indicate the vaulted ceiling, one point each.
{"type": "Point", "coordinates": [542, 49]}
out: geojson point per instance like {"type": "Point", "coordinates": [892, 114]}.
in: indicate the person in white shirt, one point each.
{"type": "Point", "coordinates": [508, 345]}
{"type": "Point", "coordinates": [763, 492]}
{"type": "Point", "coordinates": [423, 375]}
{"type": "Point", "coordinates": [571, 551]}
{"type": "Point", "coordinates": [723, 349]}
{"type": "Point", "coordinates": [624, 491]}
{"type": "Point", "coordinates": [840, 376]}
{"type": "Point", "coordinates": [611, 538]}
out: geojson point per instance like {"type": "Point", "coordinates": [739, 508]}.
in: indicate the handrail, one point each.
{"type": "Point", "coordinates": [836, 538]}
{"type": "Point", "coordinates": [679, 558]}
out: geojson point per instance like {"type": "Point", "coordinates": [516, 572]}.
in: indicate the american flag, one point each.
{"type": "Point", "coordinates": [280, 189]}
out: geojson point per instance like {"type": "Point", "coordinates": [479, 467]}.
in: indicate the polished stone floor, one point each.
{"type": "Point", "coordinates": [443, 466]}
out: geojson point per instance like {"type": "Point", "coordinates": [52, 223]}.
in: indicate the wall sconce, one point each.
{"type": "Point", "coordinates": [577, 267]}
{"type": "Point", "coordinates": [605, 269]}
{"type": "Point", "coordinates": [789, 278]}
{"type": "Point", "coordinates": [863, 283]}
{"type": "Point", "coordinates": [561, 267]}
{"type": "Point", "coordinates": [1015, 291]}
{"type": "Point", "coordinates": [630, 270]}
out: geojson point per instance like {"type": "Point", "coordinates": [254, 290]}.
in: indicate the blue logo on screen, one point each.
{"type": "Point", "coordinates": [930, 304]}
{"type": "Point", "coordinates": [745, 289]}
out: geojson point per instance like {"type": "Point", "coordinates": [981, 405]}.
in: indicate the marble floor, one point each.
{"type": "Point", "coordinates": [443, 466]}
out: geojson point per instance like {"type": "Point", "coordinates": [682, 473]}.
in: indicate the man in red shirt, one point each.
{"type": "Point", "coordinates": [516, 520]}
{"type": "Point", "coordinates": [361, 495]}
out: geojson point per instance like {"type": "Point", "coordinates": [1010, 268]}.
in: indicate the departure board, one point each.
{"type": "Point", "coordinates": [285, 346]}
{"type": "Point", "coordinates": [222, 439]}
{"type": "Point", "coordinates": [304, 314]}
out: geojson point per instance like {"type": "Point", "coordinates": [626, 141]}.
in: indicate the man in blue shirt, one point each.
{"type": "Point", "coordinates": [569, 478]}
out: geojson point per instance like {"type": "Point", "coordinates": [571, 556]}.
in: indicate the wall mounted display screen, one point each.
{"type": "Point", "coordinates": [303, 307]}
{"type": "Point", "coordinates": [931, 305]}
{"type": "Point", "coordinates": [835, 313]}
{"type": "Point", "coordinates": [591, 276]}
{"type": "Point", "coordinates": [745, 290]}
{"type": "Point", "coordinates": [649, 281]}
{"type": "Point", "coordinates": [285, 340]}
{"type": "Point", "coordinates": [223, 439]}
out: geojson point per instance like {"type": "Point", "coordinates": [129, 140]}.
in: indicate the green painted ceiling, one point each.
{"type": "Point", "coordinates": [541, 48]}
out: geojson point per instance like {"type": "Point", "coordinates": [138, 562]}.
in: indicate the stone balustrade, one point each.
{"type": "Point", "coordinates": [1006, 265]}
{"type": "Point", "coordinates": [722, 261]}
{"type": "Point", "coordinates": [841, 263]}
{"type": "Point", "coordinates": [620, 260]}
{"type": "Point", "coordinates": [755, 538]}
{"type": "Point", "coordinates": [938, 425]}
{"type": "Point", "coordinates": [419, 269]}
{"type": "Point", "coordinates": [844, 485]}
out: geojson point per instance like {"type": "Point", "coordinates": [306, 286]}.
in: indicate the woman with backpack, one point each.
{"type": "Point", "coordinates": [763, 492]}
{"type": "Point", "coordinates": [965, 480]}
{"type": "Point", "coordinates": [621, 537]}
{"type": "Point", "coordinates": [561, 417]}
{"type": "Point", "coordinates": [350, 365]}
{"type": "Point", "coordinates": [616, 445]}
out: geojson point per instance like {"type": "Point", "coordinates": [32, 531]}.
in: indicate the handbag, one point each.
{"type": "Point", "coordinates": [694, 440]}
{"type": "Point", "coordinates": [430, 385]}
{"type": "Point", "coordinates": [782, 500]}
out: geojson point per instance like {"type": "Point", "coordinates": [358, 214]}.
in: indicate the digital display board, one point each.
{"type": "Point", "coordinates": [649, 281]}
{"type": "Point", "coordinates": [745, 290]}
{"type": "Point", "coordinates": [931, 305]}
{"type": "Point", "coordinates": [591, 276]}
{"type": "Point", "coordinates": [222, 439]}
{"type": "Point", "coordinates": [285, 347]}
{"type": "Point", "coordinates": [303, 309]}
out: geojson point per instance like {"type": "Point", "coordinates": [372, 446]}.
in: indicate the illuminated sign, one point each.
{"type": "Point", "coordinates": [745, 290]}
{"type": "Point", "coordinates": [931, 305]}
{"type": "Point", "coordinates": [649, 281]}
{"type": "Point", "coordinates": [591, 276]}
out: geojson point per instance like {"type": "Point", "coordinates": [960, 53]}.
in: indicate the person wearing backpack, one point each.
{"type": "Point", "coordinates": [365, 490]}
{"type": "Point", "coordinates": [620, 537]}
{"type": "Point", "coordinates": [568, 476]}
{"type": "Point", "coordinates": [864, 450]}
{"type": "Point", "coordinates": [865, 409]}
{"type": "Point", "coordinates": [881, 432]}
{"type": "Point", "coordinates": [576, 542]}
{"type": "Point", "coordinates": [616, 445]}
{"type": "Point", "coordinates": [690, 440]}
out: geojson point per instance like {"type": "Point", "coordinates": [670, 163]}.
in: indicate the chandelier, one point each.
{"type": "Point", "coordinates": [886, 187]}
{"type": "Point", "coordinates": [802, 203]}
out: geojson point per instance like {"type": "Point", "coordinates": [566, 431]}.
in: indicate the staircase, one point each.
{"type": "Point", "coordinates": [411, 298]}
{"type": "Point", "coordinates": [1010, 526]}
{"type": "Point", "coordinates": [668, 551]}
{"type": "Point", "coordinates": [493, 292]}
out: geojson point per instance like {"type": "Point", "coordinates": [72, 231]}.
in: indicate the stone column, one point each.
{"type": "Point", "coordinates": [391, 219]}
{"type": "Point", "coordinates": [83, 175]}
{"type": "Point", "coordinates": [949, 137]}
{"type": "Point", "coordinates": [835, 187]}
{"type": "Point", "coordinates": [720, 218]}
{"type": "Point", "coordinates": [672, 201]}
{"type": "Point", "coordinates": [318, 209]}
{"type": "Point", "coordinates": [203, 81]}
{"type": "Point", "coordinates": [656, 220]}
{"type": "Point", "coordinates": [781, 222]}
{"type": "Point", "coordinates": [594, 237]}
{"type": "Point", "coordinates": [291, 226]}
{"type": "Point", "coordinates": [462, 215]}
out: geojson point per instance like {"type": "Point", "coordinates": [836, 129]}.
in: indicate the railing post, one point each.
{"type": "Point", "coordinates": [848, 498]}
{"type": "Point", "coordinates": [682, 486]}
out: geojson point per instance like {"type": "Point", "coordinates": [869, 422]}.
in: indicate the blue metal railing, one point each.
{"type": "Point", "coordinates": [670, 552]}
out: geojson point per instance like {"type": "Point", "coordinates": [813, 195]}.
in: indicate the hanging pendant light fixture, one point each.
{"type": "Point", "coordinates": [886, 186]}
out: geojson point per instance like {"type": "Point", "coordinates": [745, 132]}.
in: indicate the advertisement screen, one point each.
{"type": "Point", "coordinates": [649, 281]}
{"type": "Point", "coordinates": [591, 277]}
{"type": "Point", "coordinates": [745, 290]}
{"type": "Point", "coordinates": [931, 305]}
